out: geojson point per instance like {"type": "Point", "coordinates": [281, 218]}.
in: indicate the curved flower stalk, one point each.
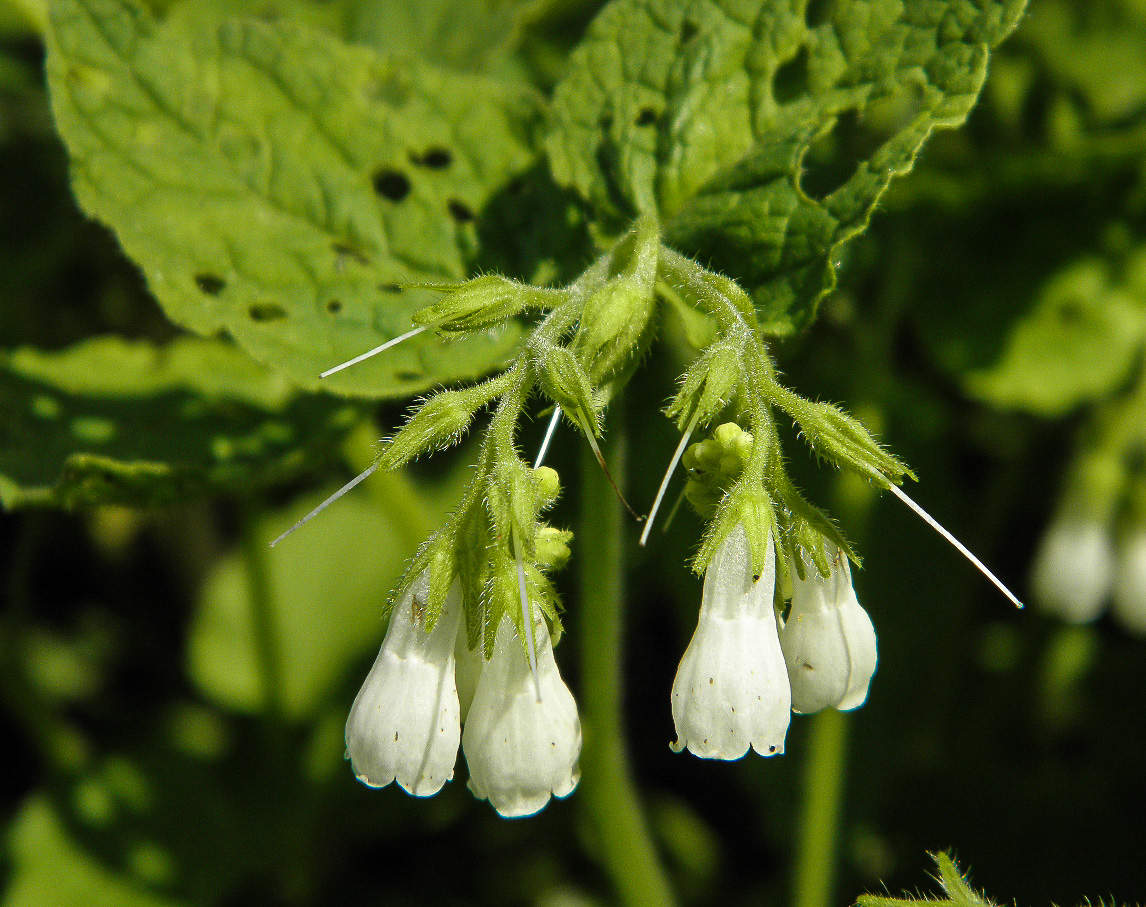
{"type": "Point", "coordinates": [1074, 568]}
{"type": "Point", "coordinates": [828, 640]}
{"type": "Point", "coordinates": [731, 690]}
{"type": "Point", "coordinates": [521, 750]}
{"type": "Point", "coordinates": [405, 723]}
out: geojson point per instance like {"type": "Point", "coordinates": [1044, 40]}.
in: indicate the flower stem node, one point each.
{"type": "Point", "coordinates": [521, 751]}
{"type": "Point", "coordinates": [731, 690]}
{"type": "Point", "coordinates": [828, 640]}
{"type": "Point", "coordinates": [1074, 568]}
{"type": "Point", "coordinates": [405, 723]}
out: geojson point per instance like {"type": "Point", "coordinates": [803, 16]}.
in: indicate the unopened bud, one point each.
{"type": "Point", "coordinates": [566, 384]}
{"type": "Point", "coordinates": [482, 303]}
{"type": "Point", "coordinates": [708, 387]}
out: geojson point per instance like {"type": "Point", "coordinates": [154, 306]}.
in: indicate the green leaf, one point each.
{"type": "Point", "coordinates": [278, 185]}
{"type": "Point", "coordinates": [328, 585]}
{"type": "Point", "coordinates": [1077, 344]}
{"type": "Point", "coordinates": [111, 420]}
{"type": "Point", "coordinates": [467, 35]}
{"type": "Point", "coordinates": [764, 133]}
{"type": "Point", "coordinates": [48, 867]}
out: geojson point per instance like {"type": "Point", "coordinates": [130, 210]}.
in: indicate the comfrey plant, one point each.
{"type": "Point", "coordinates": [298, 194]}
{"type": "Point", "coordinates": [477, 593]}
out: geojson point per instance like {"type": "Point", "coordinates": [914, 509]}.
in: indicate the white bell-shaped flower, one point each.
{"type": "Point", "coordinates": [1074, 569]}
{"type": "Point", "coordinates": [520, 751]}
{"type": "Point", "coordinates": [405, 723]}
{"type": "Point", "coordinates": [828, 640]}
{"type": "Point", "coordinates": [731, 690]}
{"type": "Point", "coordinates": [1129, 603]}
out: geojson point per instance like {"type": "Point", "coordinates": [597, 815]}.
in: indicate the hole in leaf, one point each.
{"type": "Point", "coordinates": [266, 311]}
{"type": "Point", "coordinates": [688, 30]}
{"type": "Point", "coordinates": [392, 184]}
{"type": "Point", "coordinates": [334, 306]}
{"type": "Point", "coordinates": [646, 117]}
{"type": "Point", "coordinates": [818, 12]}
{"type": "Point", "coordinates": [460, 211]}
{"type": "Point", "coordinates": [433, 158]}
{"type": "Point", "coordinates": [211, 284]}
{"type": "Point", "coordinates": [856, 139]}
{"type": "Point", "coordinates": [791, 79]}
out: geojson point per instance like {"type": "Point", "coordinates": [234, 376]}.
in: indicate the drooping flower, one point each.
{"type": "Point", "coordinates": [731, 690]}
{"type": "Point", "coordinates": [1129, 602]}
{"type": "Point", "coordinates": [1074, 569]}
{"type": "Point", "coordinates": [521, 751]}
{"type": "Point", "coordinates": [828, 640]}
{"type": "Point", "coordinates": [405, 723]}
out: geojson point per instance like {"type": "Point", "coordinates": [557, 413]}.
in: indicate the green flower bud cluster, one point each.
{"type": "Point", "coordinates": [714, 465]}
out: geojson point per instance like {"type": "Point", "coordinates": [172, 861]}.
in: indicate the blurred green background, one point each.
{"type": "Point", "coordinates": [172, 691]}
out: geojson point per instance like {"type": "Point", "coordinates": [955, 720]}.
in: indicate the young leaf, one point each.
{"type": "Point", "coordinates": [115, 421]}
{"type": "Point", "coordinates": [764, 133]}
{"type": "Point", "coordinates": [279, 185]}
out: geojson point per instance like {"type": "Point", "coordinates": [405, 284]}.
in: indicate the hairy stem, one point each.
{"type": "Point", "coordinates": [608, 790]}
{"type": "Point", "coordinates": [817, 856]}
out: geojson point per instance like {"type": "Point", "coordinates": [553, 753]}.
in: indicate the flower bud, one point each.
{"type": "Point", "coordinates": [405, 723]}
{"type": "Point", "coordinates": [828, 640]}
{"type": "Point", "coordinates": [708, 387]}
{"type": "Point", "coordinates": [1074, 568]}
{"type": "Point", "coordinates": [566, 384]}
{"type": "Point", "coordinates": [714, 464]}
{"type": "Point", "coordinates": [839, 438]}
{"type": "Point", "coordinates": [521, 751]}
{"type": "Point", "coordinates": [614, 328]}
{"type": "Point", "coordinates": [731, 690]}
{"type": "Point", "coordinates": [482, 303]}
{"type": "Point", "coordinates": [439, 422]}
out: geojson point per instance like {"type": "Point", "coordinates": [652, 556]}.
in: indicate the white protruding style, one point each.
{"type": "Point", "coordinates": [405, 724]}
{"type": "Point", "coordinates": [374, 352]}
{"type": "Point", "coordinates": [521, 751]}
{"type": "Point", "coordinates": [1073, 570]}
{"type": "Point", "coordinates": [828, 640]}
{"type": "Point", "coordinates": [677, 454]}
{"type": "Point", "coordinates": [959, 546]}
{"type": "Point", "coordinates": [731, 690]}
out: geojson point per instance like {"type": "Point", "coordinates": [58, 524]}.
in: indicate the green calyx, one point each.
{"type": "Point", "coordinates": [587, 341]}
{"type": "Point", "coordinates": [482, 303]}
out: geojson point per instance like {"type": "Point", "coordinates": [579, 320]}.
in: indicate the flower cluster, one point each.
{"type": "Point", "coordinates": [468, 656]}
{"type": "Point", "coordinates": [406, 722]}
{"type": "Point", "coordinates": [746, 669]}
